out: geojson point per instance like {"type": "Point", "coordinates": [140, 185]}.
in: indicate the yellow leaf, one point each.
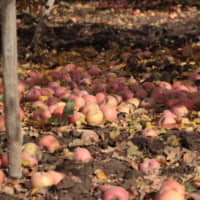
{"type": "Point", "coordinates": [192, 63]}
{"type": "Point", "coordinates": [100, 174]}
{"type": "Point", "coordinates": [54, 51]}
{"type": "Point", "coordinates": [34, 191]}
{"type": "Point", "coordinates": [197, 120]}
{"type": "Point", "coordinates": [185, 73]}
{"type": "Point", "coordinates": [44, 98]}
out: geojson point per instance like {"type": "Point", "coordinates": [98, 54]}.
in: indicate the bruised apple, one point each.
{"type": "Point", "coordinates": [50, 142]}
{"type": "Point", "coordinates": [82, 154]}
{"type": "Point", "coordinates": [149, 166]}
{"type": "Point", "coordinates": [115, 192]}
{"type": "Point", "coordinates": [89, 136]}
{"type": "Point", "coordinates": [41, 114]}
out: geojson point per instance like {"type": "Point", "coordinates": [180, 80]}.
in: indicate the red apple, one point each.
{"type": "Point", "coordinates": [125, 108]}
{"type": "Point", "coordinates": [100, 97]}
{"type": "Point", "coordinates": [1, 176]}
{"type": "Point", "coordinates": [180, 110]}
{"type": "Point", "coordinates": [4, 160]}
{"type": "Point", "coordinates": [33, 94]}
{"type": "Point", "coordinates": [173, 185]}
{"type": "Point", "coordinates": [109, 112]}
{"type": "Point", "coordinates": [33, 149]}
{"type": "Point", "coordinates": [94, 117]}
{"type": "Point", "coordinates": [41, 179]}
{"type": "Point", "coordinates": [111, 100]}
{"type": "Point", "coordinates": [42, 115]}
{"type": "Point", "coordinates": [28, 160]}
{"type": "Point", "coordinates": [89, 136]}
{"type": "Point", "coordinates": [149, 132]}
{"type": "Point", "coordinates": [116, 192]}
{"type": "Point", "coordinates": [56, 176]}
{"type": "Point", "coordinates": [50, 142]}
{"type": "Point", "coordinates": [169, 195]}
{"type": "Point", "coordinates": [82, 154]}
{"type": "Point", "coordinates": [39, 104]}
{"type": "Point", "coordinates": [134, 101]}
{"type": "Point", "coordinates": [149, 166]}
{"type": "Point", "coordinates": [77, 118]}
{"type": "Point", "coordinates": [89, 106]}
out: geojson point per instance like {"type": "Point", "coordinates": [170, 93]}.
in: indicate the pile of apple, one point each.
{"type": "Point", "coordinates": [99, 96]}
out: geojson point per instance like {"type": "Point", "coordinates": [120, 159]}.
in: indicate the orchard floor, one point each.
{"type": "Point", "coordinates": [83, 34]}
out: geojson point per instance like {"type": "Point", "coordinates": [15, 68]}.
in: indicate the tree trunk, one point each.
{"type": "Point", "coordinates": [10, 82]}
{"type": "Point", "coordinates": [41, 24]}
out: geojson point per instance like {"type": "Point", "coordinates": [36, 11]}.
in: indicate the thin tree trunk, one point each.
{"type": "Point", "coordinates": [10, 82]}
{"type": "Point", "coordinates": [41, 24]}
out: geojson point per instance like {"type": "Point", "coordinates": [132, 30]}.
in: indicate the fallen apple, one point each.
{"type": "Point", "coordinates": [41, 179]}
{"type": "Point", "coordinates": [109, 112]}
{"type": "Point", "coordinates": [149, 166]}
{"type": "Point", "coordinates": [82, 154]}
{"type": "Point", "coordinates": [172, 185]}
{"type": "Point", "coordinates": [33, 149]}
{"type": "Point", "coordinates": [56, 176]}
{"type": "Point", "coordinates": [169, 195]}
{"type": "Point", "coordinates": [94, 117]}
{"type": "Point", "coordinates": [28, 160]}
{"type": "Point", "coordinates": [42, 115]}
{"type": "Point", "coordinates": [33, 94]}
{"type": "Point", "coordinates": [180, 110]}
{"type": "Point", "coordinates": [116, 192]}
{"type": "Point", "coordinates": [150, 132]}
{"type": "Point", "coordinates": [1, 176]}
{"type": "Point", "coordinates": [50, 142]}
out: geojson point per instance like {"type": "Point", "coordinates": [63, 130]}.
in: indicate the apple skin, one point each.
{"type": "Point", "coordinates": [25, 156]}
{"type": "Point", "coordinates": [41, 114]}
{"type": "Point", "coordinates": [82, 154]}
{"type": "Point", "coordinates": [4, 160]}
{"type": "Point", "coordinates": [33, 149]}
{"type": "Point", "coordinates": [169, 195]}
{"type": "Point", "coordinates": [116, 192]}
{"type": "Point", "coordinates": [180, 110]}
{"type": "Point", "coordinates": [50, 142]}
{"type": "Point", "coordinates": [41, 179]}
{"type": "Point", "coordinates": [94, 117]}
{"type": "Point", "coordinates": [28, 157]}
{"type": "Point", "coordinates": [149, 132]}
{"type": "Point", "coordinates": [1, 176]}
{"type": "Point", "coordinates": [149, 166]}
{"type": "Point", "coordinates": [39, 104]}
{"type": "Point", "coordinates": [56, 176]}
{"type": "Point", "coordinates": [33, 94]}
{"type": "Point", "coordinates": [100, 97]}
{"type": "Point", "coordinates": [109, 112]}
{"type": "Point", "coordinates": [173, 185]}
